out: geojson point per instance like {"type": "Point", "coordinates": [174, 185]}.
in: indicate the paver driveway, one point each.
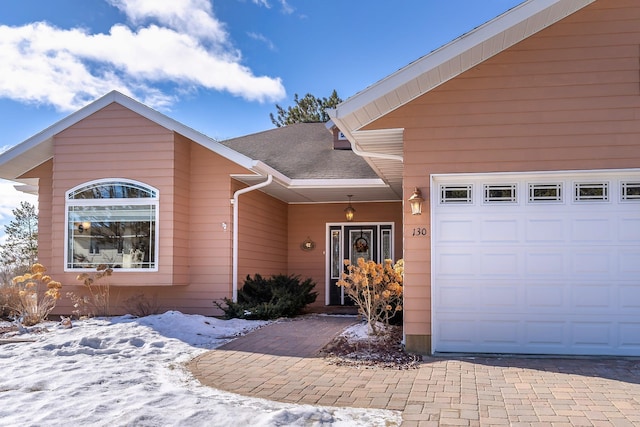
{"type": "Point", "coordinates": [277, 362]}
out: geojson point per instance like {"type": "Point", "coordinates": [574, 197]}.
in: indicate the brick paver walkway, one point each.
{"type": "Point", "coordinates": [277, 363]}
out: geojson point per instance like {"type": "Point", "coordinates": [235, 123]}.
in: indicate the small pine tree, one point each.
{"type": "Point", "coordinates": [308, 109]}
{"type": "Point", "coordinates": [20, 249]}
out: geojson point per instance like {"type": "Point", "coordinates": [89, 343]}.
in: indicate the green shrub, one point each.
{"type": "Point", "coordinates": [272, 298]}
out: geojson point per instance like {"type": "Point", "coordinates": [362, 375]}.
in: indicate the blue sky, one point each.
{"type": "Point", "coordinates": [219, 66]}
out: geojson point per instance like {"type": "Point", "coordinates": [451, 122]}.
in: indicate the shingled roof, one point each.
{"type": "Point", "coordinates": [302, 151]}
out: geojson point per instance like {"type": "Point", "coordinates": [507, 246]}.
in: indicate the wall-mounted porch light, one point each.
{"type": "Point", "coordinates": [416, 202]}
{"type": "Point", "coordinates": [349, 210]}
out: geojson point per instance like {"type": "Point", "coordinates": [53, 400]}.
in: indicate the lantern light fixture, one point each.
{"type": "Point", "coordinates": [349, 210]}
{"type": "Point", "coordinates": [415, 201]}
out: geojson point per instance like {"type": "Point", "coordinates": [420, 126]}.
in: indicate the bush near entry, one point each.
{"type": "Point", "coordinates": [269, 298]}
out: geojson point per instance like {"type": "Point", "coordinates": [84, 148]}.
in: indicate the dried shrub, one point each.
{"type": "Point", "coordinates": [9, 297]}
{"type": "Point", "coordinates": [375, 288]}
{"type": "Point", "coordinates": [96, 300]}
{"type": "Point", "coordinates": [140, 305]}
{"type": "Point", "coordinates": [37, 296]}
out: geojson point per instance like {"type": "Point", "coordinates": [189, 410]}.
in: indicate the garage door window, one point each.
{"type": "Point", "coordinates": [592, 192]}
{"type": "Point", "coordinates": [500, 193]}
{"type": "Point", "coordinates": [547, 193]}
{"type": "Point", "coordinates": [456, 194]}
{"type": "Point", "coordinates": [630, 191]}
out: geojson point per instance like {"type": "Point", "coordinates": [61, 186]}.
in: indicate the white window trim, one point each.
{"type": "Point", "coordinates": [453, 202]}
{"type": "Point", "coordinates": [497, 201]}
{"type": "Point", "coordinates": [606, 185]}
{"type": "Point", "coordinates": [558, 185]}
{"type": "Point", "coordinates": [623, 185]}
{"type": "Point", "coordinates": [155, 201]}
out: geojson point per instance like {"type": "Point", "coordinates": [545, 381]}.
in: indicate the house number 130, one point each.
{"type": "Point", "coordinates": [420, 231]}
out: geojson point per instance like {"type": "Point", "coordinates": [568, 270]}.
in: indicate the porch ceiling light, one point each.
{"type": "Point", "coordinates": [349, 210]}
{"type": "Point", "coordinates": [416, 202]}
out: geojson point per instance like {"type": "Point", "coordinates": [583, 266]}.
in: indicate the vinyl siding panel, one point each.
{"type": "Point", "coordinates": [567, 98]}
{"type": "Point", "coordinates": [262, 238]}
{"type": "Point", "coordinates": [210, 244]}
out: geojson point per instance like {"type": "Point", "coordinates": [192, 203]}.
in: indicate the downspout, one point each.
{"type": "Point", "coordinates": [236, 195]}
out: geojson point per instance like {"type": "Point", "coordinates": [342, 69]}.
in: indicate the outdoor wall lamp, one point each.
{"type": "Point", "coordinates": [416, 202]}
{"type": "Point", "coordinates": [349, 210]}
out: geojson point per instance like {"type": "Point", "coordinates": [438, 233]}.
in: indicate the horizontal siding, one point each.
{"type": "Point", "coordinates": [310, 222]}
{"type": "Point", "coordinates": [262, 238]}
{"type": "Point", "coordinates": [567, 98]}
{"type": "Point", "coordinates": [210, 244]}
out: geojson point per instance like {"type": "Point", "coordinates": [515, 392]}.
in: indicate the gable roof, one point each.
{"type": "Point", "coordinates": [436, 68]}
{"type": "Point", "coordinates": [38, 149]}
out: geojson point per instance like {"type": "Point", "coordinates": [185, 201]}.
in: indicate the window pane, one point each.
{"type": "Point", "coordinates": [595, 191]}
{"type": "Point", "coordinates": [112, 190]}
{"type": "Point", "coordinates": [119, 236]}
{"type": "Point", "coordinates": [360, 245]}
{"type": "Point", "coordinates": [631, 191]}
{"type": "Point", "coordinates": [545, 192]}
{"type": "Point", "coordinates": [386, 245]}
{"type": "Point", "coordinates": [455, 194]}
{"type": "Point", "coordinates": [336, 258]}
{"type": "Point", "coordinates": [500, 193]}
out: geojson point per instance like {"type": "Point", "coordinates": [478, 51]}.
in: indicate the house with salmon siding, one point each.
{"type": "Point", "coordinates": [503, 167]}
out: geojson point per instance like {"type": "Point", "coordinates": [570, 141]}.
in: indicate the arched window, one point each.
{"type": "Point", "coordinates": [112, 222]}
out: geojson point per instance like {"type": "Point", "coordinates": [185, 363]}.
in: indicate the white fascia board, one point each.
{"type": "Point", "coordinates": [499, 25]}
{"type": "Point", "coordinates": [262, 169]}
{"type": "Point", "coordinates": [337, 183]}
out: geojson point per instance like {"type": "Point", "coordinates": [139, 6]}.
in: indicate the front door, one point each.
{"type": "Point", "coordinates": [353, 241]}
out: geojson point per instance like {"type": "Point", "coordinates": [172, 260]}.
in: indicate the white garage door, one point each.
{"type": "Point", "coordinates": [536, 264]}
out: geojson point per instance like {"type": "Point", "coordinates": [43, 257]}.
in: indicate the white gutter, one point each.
{"type": "Point", "coordinates": [357, 134]}
{"type": "Point", "coordinates": [353, 136]}
{"type": "Point", "coordinates": [236, 195]}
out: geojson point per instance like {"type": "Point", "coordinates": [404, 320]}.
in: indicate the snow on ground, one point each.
{"type": "Point", "coordinates": [127, 371]}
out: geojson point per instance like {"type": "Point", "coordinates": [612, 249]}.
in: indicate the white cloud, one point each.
{"type": "Point", "coordinates": [263, 39]}
{"type": "Point", "coordinates": [286, 8]}
{"type": "Point", "coordinates": [177, 43]}
{"type": "Point", "coordinates": [264, 3]}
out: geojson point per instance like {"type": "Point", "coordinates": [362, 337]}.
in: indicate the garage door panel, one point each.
{"type": "Point", "coordinates": [456, 264]}
{"type": "Point", "coordinates": [630, 336]}
{"type": "Point", "coordinates": [629, 262]}
{"type": "Point", "coordinates": [546, 334]}
{"type": "Point", "coordinates": [499, 264]}
{"type": "Point", "coordinates": [538, 277]}
{"type": "Point", "coordinates": [456, 297]}
{"type": "Point", "coordinates": [545, 230]}
{"type": "Point", "coordinates": [593, 263]}
{"type": "Point", "coordinates": [547, 263]}
{"type": "Point", "coordinates": [630, 296]}
{"type": "Point", "coordinates": [592, 334]}
{"type": "Point", "coordinates": [593, 230]}
{"type": "Point", "coordinates": [545, 297]}
{"type": "Point", "coordinates": [629, 229]}
{"type": "Point", "coordinates": [456, 230]}
{"type": "Point", "coordinates": [506, 230]}
{"type": "Point", "coordinates": [592, 298]}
